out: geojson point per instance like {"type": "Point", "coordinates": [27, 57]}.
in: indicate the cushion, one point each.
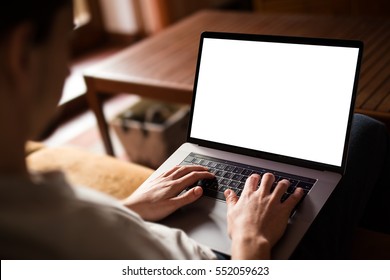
{"type": "Point", "coordinates": [104, 173]}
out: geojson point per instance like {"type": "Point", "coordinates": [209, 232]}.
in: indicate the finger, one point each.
{"type": "Point", "coordinates": [187, 197]}
{"type": "Point", "coordinates": [252, 183]}
{"type": "Point", "coordinates": [184, 170]}
{"type": "Point", "coordinates": [171, 171]}
{"type": "Point", "coordinates": [294, 198]}
{"type": "Point", "coordinates": [281, 189]}
{"type": "Point", "coordinates": [191, 178]}
{"type": "Point", "coordinates": [266, 183]}
{"type": "Point", "coordinates": [231, 198]}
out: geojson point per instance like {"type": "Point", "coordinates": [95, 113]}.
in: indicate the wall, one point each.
{"type": "Point", "coordinates": [119, 16]}
{"type": "Point", "coordinates": [150, 16]}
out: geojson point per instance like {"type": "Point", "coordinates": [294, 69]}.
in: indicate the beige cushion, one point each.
{"type": "Point", "coordinates": [104, 173]}
{"type": "Point", "coordinates": [32, 146]}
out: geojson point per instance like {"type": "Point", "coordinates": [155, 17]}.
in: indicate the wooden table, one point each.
{"type": "Point", "coordinates": [163, 66]}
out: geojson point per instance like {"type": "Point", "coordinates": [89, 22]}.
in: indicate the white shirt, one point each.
{"type": "Point", "coordinates": [48, 219]}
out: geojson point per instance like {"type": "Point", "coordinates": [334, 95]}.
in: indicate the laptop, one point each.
{"type": "Point", "coordinates": [267, 104]}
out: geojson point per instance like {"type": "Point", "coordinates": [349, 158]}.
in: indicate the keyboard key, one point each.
{"type": "Point", "coordinates": [305, 185]}
{"type": "Point", "coordinates": [229, 168]}
{"type": "Point", "coordinates": [223, 188]}
{"type": "Point", "coordinates": [284, 197]}
{"type": "Point", "coordinates": [291, 189]}
{"type": "Point", "coordinates": [246, 172]}
{"type": "Point", "coordinates": [244, 178]}
{"type": "Point", "coordinates": [221, 166]}
{"type": "Point", "coordinates": [305, 192]}
{"type": "Point", "coordinates": [234, 184]}
{"type": "Point", "coordinates": [228, 175]}
{"type": "Point", "coordinates": [189, 159]}
{"type": "Point", "coordinates": [207, 183]}
{"type": "Point", "coordinates": [293, 183]}
{"type": "Point", "coordinates": [225, 182]}
{"type": "Point", "coordinates": [238, 170]}
{"type": "Point", "coordinates": [212, 170]}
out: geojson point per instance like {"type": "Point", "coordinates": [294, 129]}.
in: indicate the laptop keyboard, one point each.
{"type": "Point", "coordinates": [232, 175]}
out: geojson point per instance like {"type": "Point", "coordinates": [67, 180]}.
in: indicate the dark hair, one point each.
{"type": "Point", "coordinates": [40, 13]}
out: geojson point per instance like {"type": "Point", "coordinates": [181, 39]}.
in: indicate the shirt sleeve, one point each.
{"type": "Point", "coordinates": [134, 237]}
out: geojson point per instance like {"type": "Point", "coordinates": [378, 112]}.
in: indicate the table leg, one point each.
{"type": "Point", "coordinates": [95, 103]}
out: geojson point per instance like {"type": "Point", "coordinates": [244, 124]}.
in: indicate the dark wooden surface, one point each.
{"type": "Point", "coordinates": [163, 66]}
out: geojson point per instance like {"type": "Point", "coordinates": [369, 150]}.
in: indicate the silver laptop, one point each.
{"type": "Point", "coordinates": [267, 104]}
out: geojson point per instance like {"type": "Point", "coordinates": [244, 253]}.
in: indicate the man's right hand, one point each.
{"type": "Point", "coordinates": [258, 219]}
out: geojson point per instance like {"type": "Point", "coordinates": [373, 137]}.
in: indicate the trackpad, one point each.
{"type": "Point", "coordinates": [205, 222]}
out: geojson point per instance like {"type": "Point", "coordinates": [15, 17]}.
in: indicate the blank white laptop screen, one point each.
{"type": "Point", "coordinates": [281, 98]}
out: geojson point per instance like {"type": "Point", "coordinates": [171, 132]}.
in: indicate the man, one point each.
{"type": "Point", "coordinates": [41, 216]}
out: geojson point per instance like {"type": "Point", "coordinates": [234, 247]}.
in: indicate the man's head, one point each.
{"type": "Point", "coordinates": [34, 54]}
{"type": "Point", "coordinates": [39, 13]}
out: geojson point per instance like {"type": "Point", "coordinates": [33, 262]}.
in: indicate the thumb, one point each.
{"type": "Point", "coordinates": [231, 198]}
{"type": "Point", "coordinates": [188, 197]}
